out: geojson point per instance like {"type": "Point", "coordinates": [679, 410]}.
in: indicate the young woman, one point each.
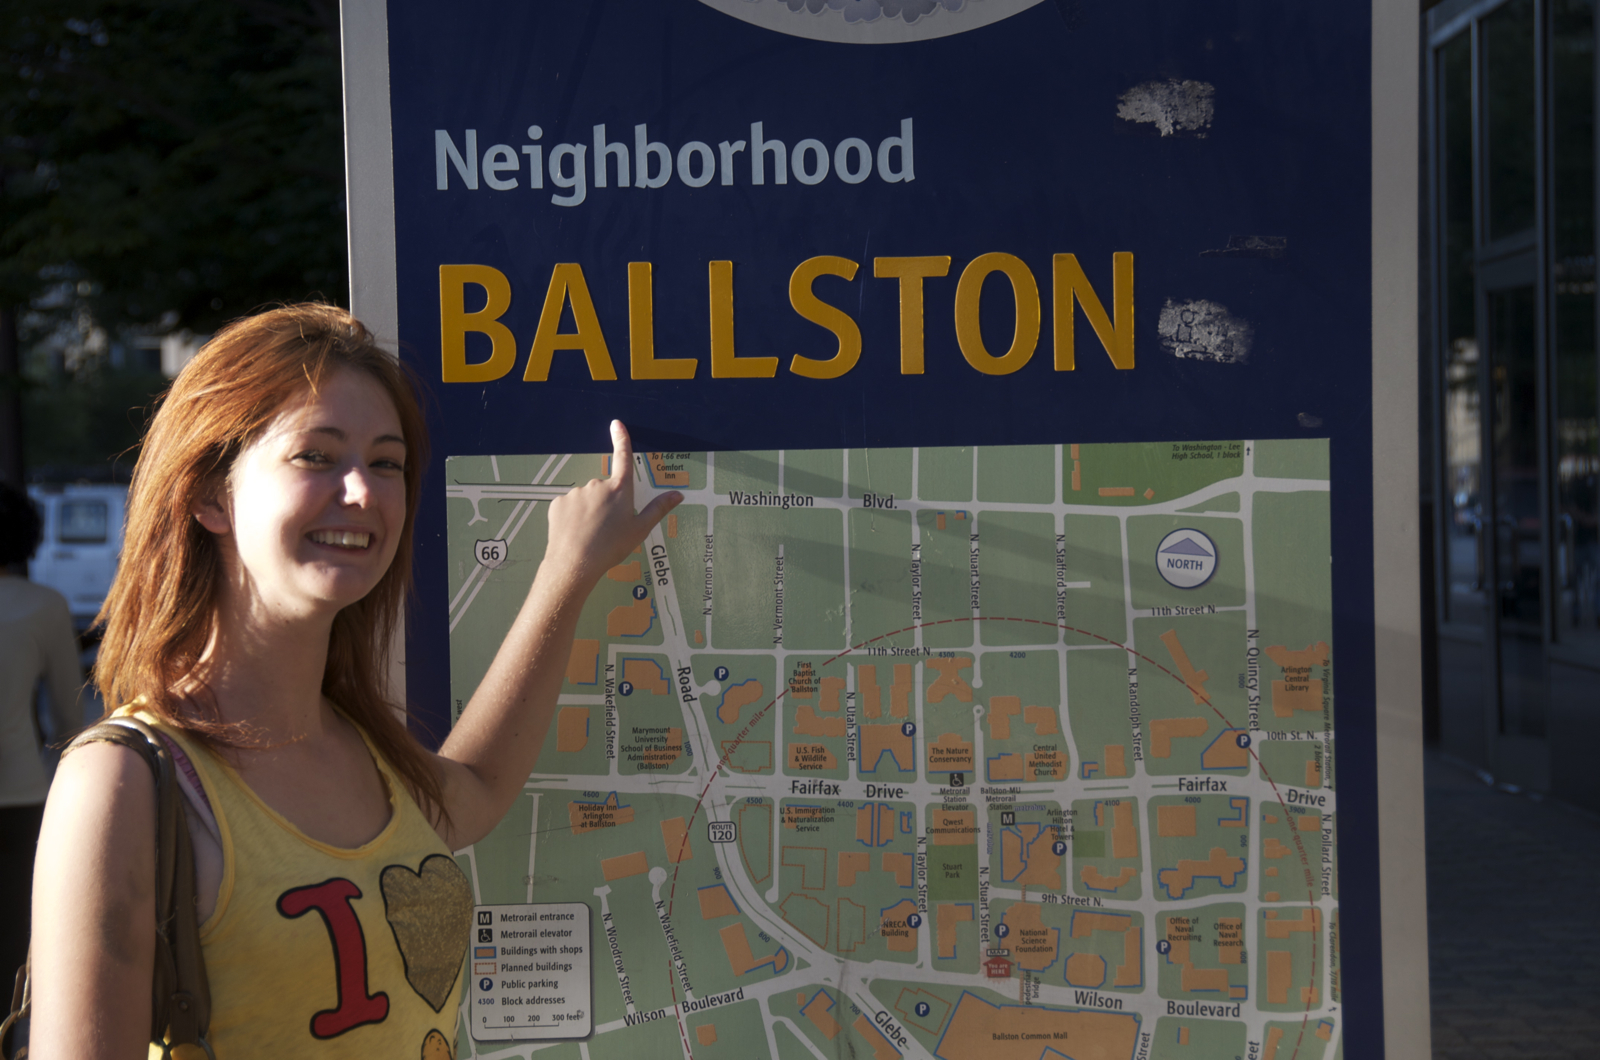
{"type": "Point", "coordinates": [268, 551]}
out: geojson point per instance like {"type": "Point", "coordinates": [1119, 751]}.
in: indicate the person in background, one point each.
{"type": "Point", "coordinates": [36, 642]}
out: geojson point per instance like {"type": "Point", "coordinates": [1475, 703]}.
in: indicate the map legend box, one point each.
{"type": "Point", "coordinates": [532, 974]}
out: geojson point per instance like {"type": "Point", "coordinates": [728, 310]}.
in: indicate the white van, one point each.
{"type": "Point", "coordinates": [82, 539]}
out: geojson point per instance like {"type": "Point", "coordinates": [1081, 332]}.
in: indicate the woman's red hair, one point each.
{"type": "Point", "coordinates": [162, 608]}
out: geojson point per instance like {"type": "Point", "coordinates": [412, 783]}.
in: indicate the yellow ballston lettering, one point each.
{"type": "Point", "coordinates": [567, 286]}
{"type": "Point", "coordinates": [455, 322]}
{"type": "Point", "coordinates": [642, 360]}
{"type": "Point", "coordinates": [1116, 332]}
{"type": "Point", "coordinates": [911, 272]}
{"type": "Point", "coordinates": [836, 320]}
{"type": "Point", "coordinates": [724, 363]}
{"type": "Point", "coordinates": [1025, 294]}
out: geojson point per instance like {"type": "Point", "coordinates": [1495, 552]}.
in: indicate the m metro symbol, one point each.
{"type": "Point", "coordinates": [1186, 558]}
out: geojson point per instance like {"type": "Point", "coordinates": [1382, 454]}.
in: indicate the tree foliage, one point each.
{"type": "Point", "coordinates": [183, 158]}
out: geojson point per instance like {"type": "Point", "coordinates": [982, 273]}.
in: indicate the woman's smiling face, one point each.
{"type": "Point", "coordinates": [316, 504]}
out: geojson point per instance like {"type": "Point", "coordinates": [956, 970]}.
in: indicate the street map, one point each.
{"type": "Point", "coordinates": [990, 753]}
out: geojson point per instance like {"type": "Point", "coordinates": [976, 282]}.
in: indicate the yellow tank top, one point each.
{"type": "Point", "coordinates": [316, 951]}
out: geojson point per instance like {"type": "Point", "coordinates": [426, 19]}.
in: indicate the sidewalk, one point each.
{"type": "Point", "coordinates": [1513, 922]}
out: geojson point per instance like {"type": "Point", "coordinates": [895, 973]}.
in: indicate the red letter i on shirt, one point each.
{"type": "Point", "coordinates": [356, 1006]}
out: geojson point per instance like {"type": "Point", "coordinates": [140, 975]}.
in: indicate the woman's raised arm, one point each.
{"type": "Point", "coordinates": [494, 745]}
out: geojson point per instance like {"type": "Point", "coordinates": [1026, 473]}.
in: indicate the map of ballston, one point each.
{"type": "Point", "coordinates": [1001, 752]}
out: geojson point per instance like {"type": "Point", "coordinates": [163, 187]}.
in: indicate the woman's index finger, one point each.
{"type": "Point", "coordinates": [621, 453]}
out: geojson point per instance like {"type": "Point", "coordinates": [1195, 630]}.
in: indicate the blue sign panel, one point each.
{"type": "Point", "coordinates": [1014, 359]}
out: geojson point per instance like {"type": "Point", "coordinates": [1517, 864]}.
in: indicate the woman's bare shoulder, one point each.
{"type": "Point", "coordinates": [101, 786]}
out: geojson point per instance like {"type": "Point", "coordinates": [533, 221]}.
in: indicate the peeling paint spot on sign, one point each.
{"type": "Point", "coordinates": [1204, 331]}
{"type": "Point", "coordinates": [1175, 108]}
{"type": "Point", "coordinates": [1250, 247]}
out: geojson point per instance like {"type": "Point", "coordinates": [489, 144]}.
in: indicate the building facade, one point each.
{"type": "Point", "coordinates": [1511, 391]}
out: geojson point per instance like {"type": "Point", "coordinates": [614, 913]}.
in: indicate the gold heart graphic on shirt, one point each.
{"type": "Point", "coordinates": [430, 913]}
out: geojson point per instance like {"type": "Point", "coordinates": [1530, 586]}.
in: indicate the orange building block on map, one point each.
{"type": "Point", "coordinates": [662, 755]}
{"type": "Point", "coordinates": [1278, 927]}
{"type": "Point", "coordinates": [624, 572]}
{"type": "Point", "coordinates": [1028, 859]}
{"type": "Point", "coordinates": [875, 824]}
{"type": "Point", "coordinates": [706, 1034]}
{"type": "Point", "coordinates": [950, 914]}
{"type": "Point", "coordinates": [582, 663]}
{"type": "Point", "coordinates": [631, 619]}
{"type": "Point", "coordinates": [900, 865]}
{"type": "Point", "coordinates": [1033, 946]}
{"type": "Point", "coordinates": [1124, 836]}
{"type": "Point", "coordinates": [1094, 879]}
{"type": "Point", "coordinates": [808, 723]}
{"type": "Point", "coordinates": [1164, 730]}
{"type": "Point", "coordinates": [949, 682]}
{"type": "Point", "coordinates": [878, 739]}
{"type": "Point", "coordinates": [716, 902]}
{"type": "Point", "coordinates": [1195, 679]}
{"type": "Point", "coordinates": [900, 691]}
{"type": "Point", "coordinates": [736, 944]}
{"type": "Point", "coordinates": [588, 816]}
{"type": "Point", "coordinates": [1001, 710]}
{"type": "Point", "coordinates": [645, 674]}
{"type": "Point", "coordinates": [980, 1028]}
{"type": "Point", "coordinates": [1230, 940]}
{"type": "Point", "coordinates": [1298, 690]}
{"type": "Point", "coordinates": [736, 699]}
{"type": "Point", "coordinates": [1280, 975]}
{"type": "Point", "coordinates": [1225, 752]}
{"type": "Point", "coordinates": [819, 1010]}
{"type": "Point", "coordinates": [832, 690]}
{"type": "Point", "coordinates": [624, 865]}
{"type": "Point", "coordinates": [1007, 766]}
{"type": "Point", "coordinates": [1116, 760]}
{"type": "Point", "coordinates": [1175, 821]}
{"type": "Point", "coordinates": [572, 729]}
{"type": "Point", "coordinates": [949, 752]}
{"type": "Point", "coordinates": [1190, 977]}
{"type": "Point", "coordinates": [1221, 865]}
{"type": "Point", "coordinates": [1128, 972]}
{"type": "Point", "coordinates": [871, 694]}
{"type": "Point", "coordinates": [1043, 720]}
{"type": "Point", "coordinates": [899, 935]}
{"type": "Point", "coordinates": [803, 756]}
{"type": "Point", "coordinates": [852, 925]}
{"type": "Point", "coordinates": [675, 835]}
{"type": "Point", "coordinates": [881, 1049]}
{"type": "Point", "coordinates": [663, 472]}
{"type": "Point", "coordinates": [851, 864]}
{"type": "Point", "coordinates": [1086, 969]}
